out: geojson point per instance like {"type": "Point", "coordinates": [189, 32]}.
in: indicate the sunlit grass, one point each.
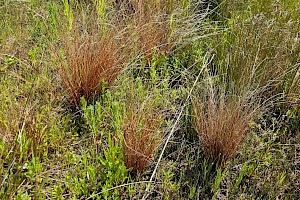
{"type": "Point", "coordinates": [238, 134]}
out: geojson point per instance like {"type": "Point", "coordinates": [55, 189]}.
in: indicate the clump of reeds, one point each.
{"type": "Point", "coordinates": [221, 120]}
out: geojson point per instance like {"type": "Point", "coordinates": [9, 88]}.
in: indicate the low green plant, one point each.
{"type": "Point", "coordinates": [115, 171]}
{"type": "Point", "coordinates": [243, 172]}
{"type": "Point", "coordinates": [168, 184]}
{"type": "Point", "coordinates": [219, 176]}
{"type": "Point", "coordinates": [104, 123]}
{"type": "Point", "coordinates": [94, 118]}
{"type": "Point", "coordinates": [21, 195]}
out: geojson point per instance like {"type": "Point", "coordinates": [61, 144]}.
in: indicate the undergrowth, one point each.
{"type": "Point", "coordinates": [111, 99]}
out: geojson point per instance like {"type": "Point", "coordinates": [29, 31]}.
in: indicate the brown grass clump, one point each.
{"type": "Point", "coordinates": [140, 138]}
{"type": "Point", "coordinates": [221, 121]}
{"type": "Point", "coordinates": [141, 132]}
{"type": "Point", "coordinates": [153, 35]}
{"type": "Point", "coordinates": [151, 25]}
{"type": "Point", "coordinates": [91, 59]}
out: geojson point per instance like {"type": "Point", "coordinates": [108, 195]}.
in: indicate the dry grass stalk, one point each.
{"type": "Point", "coordinates": [221, 122]}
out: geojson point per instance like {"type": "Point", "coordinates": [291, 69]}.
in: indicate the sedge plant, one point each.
{"type": "Point", "coordinates": [90, 60]}
{"type": "Point", "coordinates": [142, 127]}
{"type": "Point", "coordinates": [221, 119]}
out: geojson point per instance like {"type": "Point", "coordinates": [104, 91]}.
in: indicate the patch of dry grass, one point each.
{"type": "Point", "coordinates": [142, 128]}
{"type": "Point", "coordinates": [141, 137]}
{"type": "Point", "coordinates": [150, 23]}
{"type": "Point", "coordinates": [221, 120]}
{"type": "Point", "coordinates": [90, 60]}
{"type": "Point", "coordinates": [261, 46]}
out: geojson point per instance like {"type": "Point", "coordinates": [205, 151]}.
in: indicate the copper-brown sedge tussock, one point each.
{"type": "Point", "coordinates": [142, 130]}
{"type": "Point", "coordinates": [140, 139]}
{"type": "Point", "coordinates": [222, 122]}
{"type": "Point", "coordinates": [97, 55]}
{"type": "Point", "coordinates": [91, 59]}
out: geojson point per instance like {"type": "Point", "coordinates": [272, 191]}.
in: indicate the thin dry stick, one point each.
{"type": "Point", "coordinates": [116, 187]}
{"type": "Point", "coordinates": [173, 129]}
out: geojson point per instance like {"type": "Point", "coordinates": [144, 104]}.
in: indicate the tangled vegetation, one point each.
{"type": "Point", "coordinates": [149, 99]}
